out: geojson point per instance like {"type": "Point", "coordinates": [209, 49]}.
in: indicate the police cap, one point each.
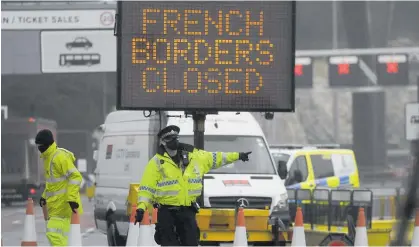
{"type": "Point", "coordinates": [171, 130]}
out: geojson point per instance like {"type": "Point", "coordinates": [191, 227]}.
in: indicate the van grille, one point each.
{"type": "Point", "coordinates": [230, 202]}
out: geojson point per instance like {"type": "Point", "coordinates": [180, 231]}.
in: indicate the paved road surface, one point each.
{"type": "Point", "coordinates": [12, 223]}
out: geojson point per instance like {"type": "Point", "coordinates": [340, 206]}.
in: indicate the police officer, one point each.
{"type": "Point", "coordinates": [61, 195]}
{"type": "Point", "coordinates": [173, 180]}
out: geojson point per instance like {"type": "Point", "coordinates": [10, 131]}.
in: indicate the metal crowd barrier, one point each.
{"type": "Point", "coordinates": [331, 207]}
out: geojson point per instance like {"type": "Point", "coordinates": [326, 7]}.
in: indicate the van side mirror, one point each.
{"type": "Point", "coordinates": [282, 170]}
{"type": "Point", "coordinates": [95, 155]}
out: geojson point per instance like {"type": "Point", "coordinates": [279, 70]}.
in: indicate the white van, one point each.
{"type": "Point", "coordinates": [128, 142]}
{"type": "Point", "coordinates": [259, 184]}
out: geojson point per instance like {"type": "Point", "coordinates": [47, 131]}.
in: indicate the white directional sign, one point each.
{"type": "Point", "coordinates": [53, 19]}
{"type": "Point", "coordinates": [78, 51]}
{"type": "Point", "coordinates": [412, 121]}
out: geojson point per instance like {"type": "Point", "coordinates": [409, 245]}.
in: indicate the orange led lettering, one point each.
{"type": "Point", "coordinates": [250, 23]}
{"type": "Point", "coordinates": [245, 53]}
{"type": "Point", "coordinates": [178, 52]}
{"type": "Point", "coordinates": [228, 21]}
{"type": "Point", "coordinates": [155, 58]}
{"type": "Point", "coordinates": [136, 50]}
{"type": "Point", "coordinates": [213, 80]}
{"type": "Point", "coordinates": [189, 22]}
{"type": "Point", "coordinates": [218, 26]}
{"type": "Point", "coordinates": [229, 81]}
{"type": "Point", "coordinates": [147, 81]}
{"type": "Point", "coordinates": [197, 49]}
{"type": "Point", "coordinates": [170, 21]}
{"type": "Point", "coordinates": [185, 80]}
{"type": "Point", "coordinates": [146, 20]}
{"type": "Point", "coordinates": [265, 52]}
{"type": "Point", "coordinates": [219, 51]}
{"type": "Point", "coordinates": [260, 80]}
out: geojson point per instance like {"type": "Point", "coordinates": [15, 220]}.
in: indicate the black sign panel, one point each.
{"type": "Point", "coordinates": [344, 71]}
{"type": "Point", "coordinates": [393, 69]}
{"type": "Point", "coordinates": [223, 56]}
{"type": "Point", "coordinates": [303, 72]}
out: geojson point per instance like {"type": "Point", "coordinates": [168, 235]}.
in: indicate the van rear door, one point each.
{"type": "Point", "coordinates": [121, 160]}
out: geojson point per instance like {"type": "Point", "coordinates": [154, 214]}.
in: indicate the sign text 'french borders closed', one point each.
{"type": "Point", "coordinates": [222, 56]}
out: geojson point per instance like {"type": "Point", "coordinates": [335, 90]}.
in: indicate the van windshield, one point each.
{"type": "Point", "coordinates": [259, 160]}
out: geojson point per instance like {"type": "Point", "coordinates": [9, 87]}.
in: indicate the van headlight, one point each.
{"type": "Point", "coordinates": [282, 203]}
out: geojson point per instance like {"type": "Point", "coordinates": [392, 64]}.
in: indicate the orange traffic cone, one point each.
{"type": "Point", "coordinates": [144, 236]}
{"type": "Point", "coordinates": [361, 237]}
{"type": "Point", "coordinates": [298, 235]}
{"type": "Point", "coordinates": [240, 236]}
{"type": "Point", "coordinates": [133, 230]}
{"type": "Point", "coordinates": [29, 232]}
{"type": "Point", "coordinates": [153, 224]}
{"type": "Point", "coordinates": [415, 238]}
{"type": "Point", "coordinates": [74, 236]}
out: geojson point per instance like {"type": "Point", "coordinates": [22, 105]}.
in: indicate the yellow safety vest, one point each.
{"type": "Point", "coordinates": [164, 182]}
{"type": "Point", "coordinates": [62, 181]}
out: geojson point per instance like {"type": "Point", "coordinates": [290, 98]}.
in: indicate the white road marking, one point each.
{"type": "Point", "coordinates": [17, 222]}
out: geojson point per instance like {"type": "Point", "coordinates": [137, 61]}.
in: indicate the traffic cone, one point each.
{"type": "Point", "coordinates": [240, 235]}
{"type": "Point", "coordinates": [361, 237]}
{"type": "Point", "coordinates": [74, 236]}
{"type": "Point", "coordinates": [298, 235]}
{"type": "Point", "coordinates": [29, 232]}
{"type": "Point", "coordinates": [144, 236]}
{"type": "Point", "coordinates": [133, 230]}
{"type": "Point", "coordinates": [153, 224]}
{"type": "Point", "coordinates": [415, 238]}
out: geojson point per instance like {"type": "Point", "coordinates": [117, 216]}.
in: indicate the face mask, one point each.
{"type": "Point", "coordinates": [42, 148]}
{"type": "Point", "coordinates": [173, 144]}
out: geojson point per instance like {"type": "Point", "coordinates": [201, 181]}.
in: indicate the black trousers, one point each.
{"type": "Point", "coordinates": [176, 226]}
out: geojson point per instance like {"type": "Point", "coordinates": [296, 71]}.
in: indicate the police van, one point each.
{"type": "Point", "coordinates": [317, 166]}
{"type": "Point", "coordinates": [129, 141]}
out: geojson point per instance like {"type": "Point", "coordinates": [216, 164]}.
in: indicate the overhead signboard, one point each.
{"type": "Point", "coordinates": [412, 121]}
{"type": "Point", "coordinates": [393, 69]}
{"type": "Point", "coordinates": [56, 19]}
{"type": "Point", "coordinates": [344, 71]}
{"type": "Point", "coordinates": [224, 55]}
{"type": "Point", "coordinates": [303, 72]}
{"type": "Point", "coordinates": [78, 51]}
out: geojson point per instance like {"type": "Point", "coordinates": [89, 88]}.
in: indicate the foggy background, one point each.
{"type": "Point", "coordinates": [79, 102]}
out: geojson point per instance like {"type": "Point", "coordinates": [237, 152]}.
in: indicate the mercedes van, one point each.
{"type": "Point", "coordinates": [259, 183]}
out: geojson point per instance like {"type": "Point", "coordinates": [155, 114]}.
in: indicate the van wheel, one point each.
{"type": "Point", "coordinates": [114, 239]}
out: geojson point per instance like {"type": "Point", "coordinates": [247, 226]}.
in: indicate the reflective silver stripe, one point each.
{"type": "Point", "coordinates": [51, 175]}
{"type": "Point", "coordinates": [224, 159]}
{"type": "Point", "coordinates": [194, 192]}
{"type": "Point", "coordinates": [55, 193]}
{"type": "Point", "coordinates": [74, 182]}
{"type": "Point", "coordinates": [59, 231]}
{"type": "Point", "coordinates": [144, 199]}
{"type": "Point", "coordinates": [167, 193]}
{"type": "Point", "coordinates": [54, 180]}
{"type": "Point", "coordinates": [214, 160]}
{"type": "Point", "coordinates": [158, 164]}
{"type": "Point", "coordinates": [71, 171]}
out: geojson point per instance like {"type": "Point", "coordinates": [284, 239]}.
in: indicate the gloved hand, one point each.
{"type": "Point", "coordinates": [42, 202]}
{"type": "Point", "coordinates": [139, 216]}
{"type": "Point", "coordinates": [73, 206]}
{"type": "Point", "coordinates": [244, 156]}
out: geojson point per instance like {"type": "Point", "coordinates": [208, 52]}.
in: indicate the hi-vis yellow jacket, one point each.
{"type": "Point", "coordinates": [163, 181]}
{"type": "Point", "coordinates": [62, 183]}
